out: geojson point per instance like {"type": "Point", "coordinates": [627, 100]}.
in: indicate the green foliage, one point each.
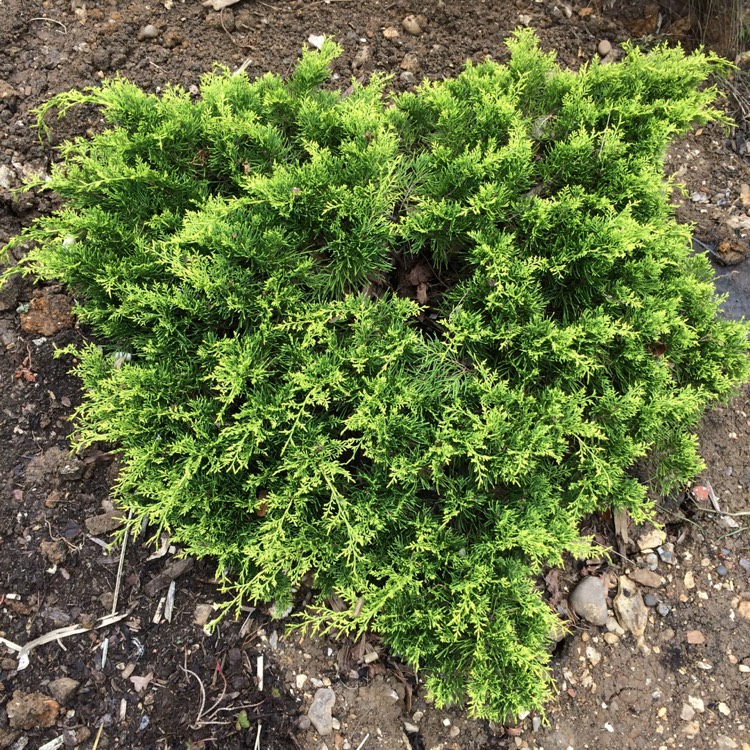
{"type": "Point", "coordinates": [405, 342]}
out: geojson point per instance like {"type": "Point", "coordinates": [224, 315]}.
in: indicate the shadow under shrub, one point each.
{"type": "Point", "coordinates": [405, 342]}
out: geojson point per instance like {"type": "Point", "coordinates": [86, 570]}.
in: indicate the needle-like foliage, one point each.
{"type": "Point", "coordinates": [403, 342]}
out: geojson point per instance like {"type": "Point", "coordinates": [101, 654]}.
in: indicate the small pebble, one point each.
{"type": "Point", "coordinates": [410, 63]}
{"type": "Point", "coordinates": [726, 743]}
{"type": "Point", "coordinates": [722, 570]}
{"type": "Point", "coordinates": [391, 33]}
{"type": "Point", "coordinates": [604, 48]}
{"type": "Point", "coordinates": [745, 564]}
{"type": "Point", "coordinates": [666, 553]}
{"type": "Point", "coordinates": [536, 722]}
{"type": "Point", "coordinates": [663, 609]}
{"type": "Point", "coordinates": [411, 25]}
{"type": "Point", "coordinates": [650, 600]}
{"type": "Point", "coordinates": [652, 560]}
{"type": "Point", "coordinates": [455, 731]}
{"type": "Point", "coordinates": [589, 600]}
{"type": "Point", "coordinates": [319, 712]}
{"type": "Point", "coordinates": [651, 540]}
{"type": "Point", "coordinates": [614, 627]}
{"type": "Point", "coordinates": [593, 655]}
{"type": "Point", "coordinates": [148, 32]}
{"type": "Point", "coordinates": [407, 77]}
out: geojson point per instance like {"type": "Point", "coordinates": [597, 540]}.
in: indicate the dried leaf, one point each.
{"type": "Point", "coordinates": [141, 683]}
{"type": "Point", "coordinates": [552, 582]}
{"type": "Point", "coordinates": [421, 273]}
{"type": "Point", "coordinates": [24, 371]}
{"type": "Point", "coordinates": [316, 40]}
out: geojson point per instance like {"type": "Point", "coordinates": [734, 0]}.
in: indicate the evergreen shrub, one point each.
{"type": "Point", "coordinates": [402, 341]}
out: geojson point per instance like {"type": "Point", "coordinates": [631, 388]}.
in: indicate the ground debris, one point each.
{"type": "Point", "coordinates": [32, 711]}
{"type": "Point", "coordinates": [170, 573]}
{"type": "Point", "coordinates": [48, 314]}
{"type": "Point", "coordinates": [589, 599]}
{"type": "Point", "coordinates": [631, 611]}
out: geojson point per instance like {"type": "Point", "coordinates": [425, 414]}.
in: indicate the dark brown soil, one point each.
{"type": "Point", "coordinates": [170, 684]}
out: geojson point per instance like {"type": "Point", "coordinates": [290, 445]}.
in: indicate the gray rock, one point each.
{"type": "Point", "coordinates": [407, 77]}
{"type": "Point", "coordinates": [604, 48]}
{"type": "Point", "coordinates": [148, 32]}
{"type": "Point", "coordinates": [666, 553]}
{"type": "Point", "coordinates": [63, 689]}
{"type": "Point", "coordinates": [663, 609]}
{"type": "Point", "coordinates": [650, 600]}
{"type": "Point", "coordinates": [304, 723]}
{"type": "Point", "coordinates": [7, 177]}
{"type": "Point", "coordinates": [320, 713]}
{"type": "Point", "coordinates": [589, 600]}
{"type": "Point", "coordinates": [725, 743]}
{"type": "Point", "coordinates": [646, 578]}
{"type": "Point", "coordinates": [722, 570]}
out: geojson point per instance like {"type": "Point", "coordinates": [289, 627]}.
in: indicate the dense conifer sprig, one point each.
{"type": "Point", "coordinates": [404, 341]}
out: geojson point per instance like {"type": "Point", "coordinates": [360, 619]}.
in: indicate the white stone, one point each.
{"type": "Point", "coordinates": [651, 539]}
{"type": "Point", "coordinates": [593, 655]}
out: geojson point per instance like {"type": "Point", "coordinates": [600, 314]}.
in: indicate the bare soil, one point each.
{"type": "Point", "coordinates": [170, 684]}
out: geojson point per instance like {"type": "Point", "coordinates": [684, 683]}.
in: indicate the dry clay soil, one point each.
{"type": "Point", "coordinates": [165, 683]}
